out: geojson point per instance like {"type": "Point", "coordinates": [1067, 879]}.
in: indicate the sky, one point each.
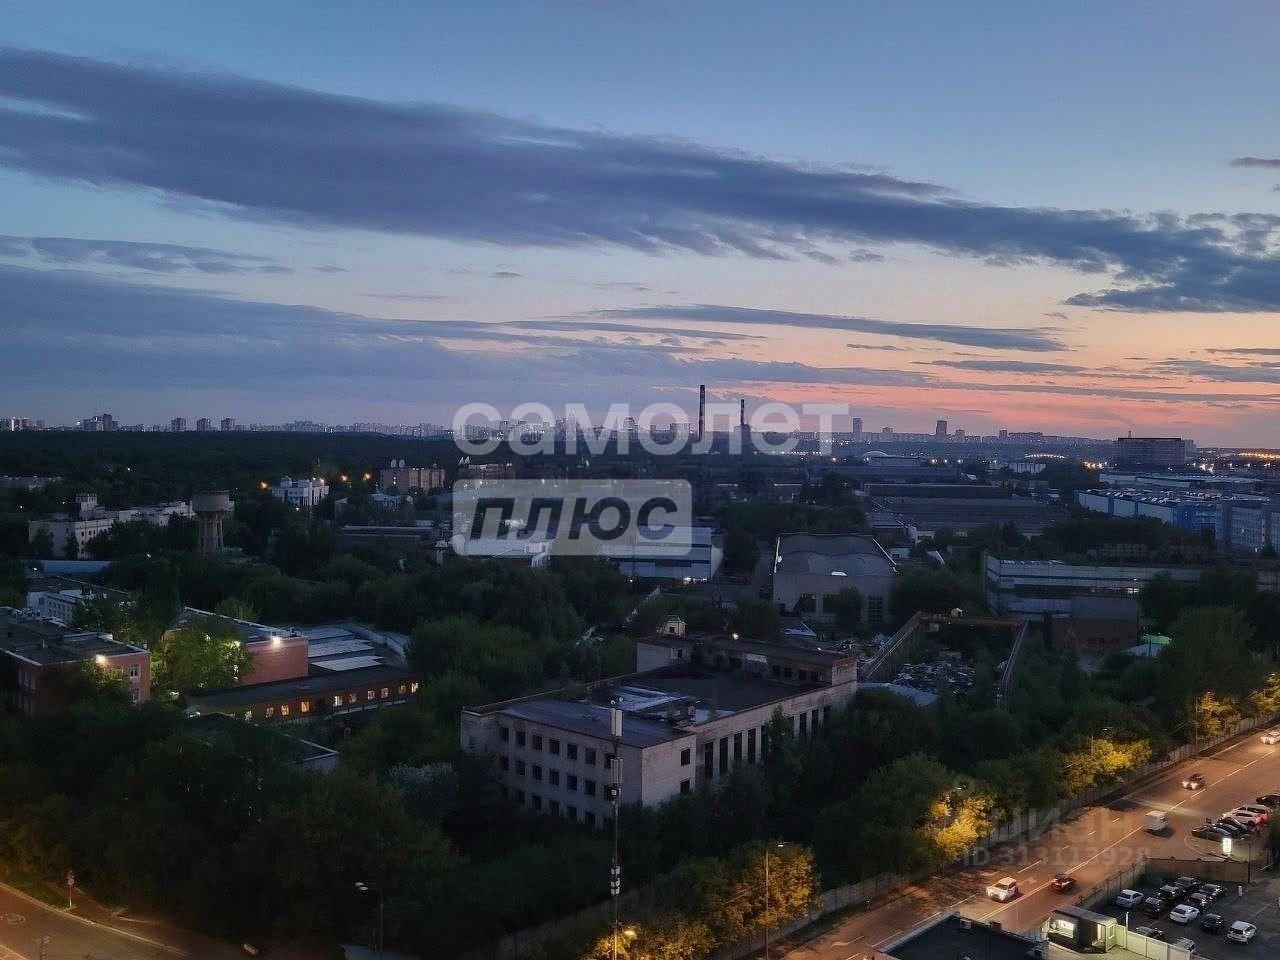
{"type": "Point", "coordinates": [997, 214]}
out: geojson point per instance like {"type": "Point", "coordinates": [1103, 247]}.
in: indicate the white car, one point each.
{"type": "Point", "coordinates": [1241, 932]}
{"type": "Point", "coordinates": [1128, 899]}
{"type": "Point", "coordinates": [1003, 890]}
{"type": "Point", "coordinates": [1245, 815]}
{"type": "Point", "coordinates": [1184, 913]}
{"type": "Point", "coordinates": [1271, 736]}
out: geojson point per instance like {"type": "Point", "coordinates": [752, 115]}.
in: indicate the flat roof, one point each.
{"type": "Point", "coordinates": [948, 937]}
{"type": "Point", "coordinates": [798, 649]}
{"type": "Point", "coordinates": [250, 740]}
{"type": "Point", "coordinates": [658, 705]}
{"type": "Point", "coordinates": [320, 684]}
{"type": "Point", "coordinates": [48, 642]}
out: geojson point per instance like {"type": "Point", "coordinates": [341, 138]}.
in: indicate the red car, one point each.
{"type": "Point", "coordinates": [1063, 882]}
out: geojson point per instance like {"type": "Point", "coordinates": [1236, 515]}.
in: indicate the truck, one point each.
{"type": "Point", "coordinates": [1155, 821]}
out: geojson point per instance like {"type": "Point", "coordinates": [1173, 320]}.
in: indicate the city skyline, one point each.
{"type": "Point", "coordinates": [196, 226]}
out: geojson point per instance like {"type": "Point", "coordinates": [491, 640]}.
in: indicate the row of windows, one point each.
{"type": "Point", "coordinates": [742, 746]}
{"type": "Point", "coordinates": [350, 699]}
{"type": "Point", "coordinates": [568, 810]}
{"type": "Point", "coordinates": [553, 776]}
{"type": "Point", "coordinates": [551, 745]}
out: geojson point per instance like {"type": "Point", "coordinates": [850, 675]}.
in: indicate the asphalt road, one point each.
{"type": "Point", "coordinates": [24, 923]}
{"type": "Point", "coordinates": [1093, 846]}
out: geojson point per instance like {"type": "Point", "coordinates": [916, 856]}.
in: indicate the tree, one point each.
{"type": "Point", "coordinates": [931, 591]}
{"type": "Point", "coordinates": [741, 551]}
{"type": "Point", "coordinates": [1163, 598]}
{"type": "Point", "coordinates": [71, 546]}
{"type": "Point", "coordinates": [757, 619]}
{"type": "Point", "coordinates": [205, 653]}
{"type": "Point", "coordinates": [847, 606]}
{"type": "Point", "coordinates": [233, 608]}
{"type": "Point", "coordinates": [42, 544]}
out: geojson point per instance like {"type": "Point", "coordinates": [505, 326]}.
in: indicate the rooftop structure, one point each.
{"type": "Point", "coordinates": [303, 494]}
{"type": "Point", "coordinates": [953, 937]}
{"type": "Point", "coordinates": [322, 694]}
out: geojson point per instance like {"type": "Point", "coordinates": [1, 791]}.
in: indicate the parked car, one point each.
{"type": "Point", "coordinates": [1186, 884]}
{"type": "Point", "coordinates": [1212, 890]}
{"type": "Point", "coordinates": [1269, 800]}
{"type": "Point", "coordinates": [1062, 882]}
{"type": "Point", "coordinates": [1209, 832]}
{"type": "Point", "coordinates": [1153, 906]}
{"type": "Point", "coordinates": [1271, 736]}
{"type": "Point", "coordinates": [1241, 932]}
{"type": "Point", "coordinates": [1193, 781]}
{"type": "Point", "coordinates": [1245, 816]}
{"type": "Point", "coordinates": [1170, 893]}
{"type": "Point", "coordinates": [1184, 913]}
{"type": "Point", "coordinates": [1241, 827]}
{"type": "Point", "coordinates": [1198, 900]}
{"type": "Point", "coordinates": [1155, 933]}
{"type": "Point", "coordinates": [1263, 812]}
{"type": "Point", "coordinates": [1212, 922]}
{"type": "Point", "coordinates": [1187, 944]}
{"type": "Point", "coordinates": [1003, 890]}
{"type": "Point", "coordinates": [1128, 899]}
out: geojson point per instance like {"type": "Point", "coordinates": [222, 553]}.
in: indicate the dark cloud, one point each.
{"type": "Point", "coordinates": [1260, 372]}
{"type": "Point", "coordinates": [330, 268]}
{"type": "Point", "coordinates": [604, 326]}
{"type": "Point", "coordinates": [151, 257]}
{"type": "Point", "coordinates": [1001, 338]}
{"type": "Point", "coordinates": [505, 275]}
{"type": "Point", "coordinates": [285, 154]}
{"type": "Point", "coordinates": [865, 256]}
{"type": "Point", "coordinates": [875, 346]}
{"type": "Point", "coordinates": [1264, 163]}
{"type": "Point", "coordinates": [1009, 366]}
{"type": "Point", "coordinates": [1247, 351]}
{"type": "Point", "coordinates": [409, 297]}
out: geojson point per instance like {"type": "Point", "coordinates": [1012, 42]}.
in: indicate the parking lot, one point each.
{"type": "Point", "coordinates": [1260, 905]}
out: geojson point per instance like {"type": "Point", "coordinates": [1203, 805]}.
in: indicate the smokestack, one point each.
{"type": "Point", "coordinates": [742, 414]}
{"type": "Point", "coordinates": [702, 409]}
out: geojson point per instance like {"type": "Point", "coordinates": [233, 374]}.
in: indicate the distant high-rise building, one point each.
{"type": "Point", "coordinates": [204, 423]}
{"type": "Point", "coordinates": [940, 431]}
{"type": "Point", "coordinates": [228, 423]}
{"type": "Point", "coordinates": [702, 409]}
{"type": "Point", "coordinates": [1004, 434]}
{"type": "Point", "coordinates": [855, 427]}
{"type": "Point", "coordinates": [960, 433]}
{"type": "Point", "coordinates": [1150, 451]}
{"type": "Point", "coordinates": [108, 422]}
{"type": "Point", "coordinates": [178, 424]}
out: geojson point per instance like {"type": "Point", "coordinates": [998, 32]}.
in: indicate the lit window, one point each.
{"type": "Point", "coordinates": [248, 714]}
{"type": "Point", "coordinates": [271, 712]}
{"type": "Point", "coordinates": [413, 686]}
{"type": "Point", "coordinates": [337, 699]}
{"type": "Point", "coordinates": [284, 709]}
{"type": "Point", "coordinates": [305, 706]}
{"type": "Point", "coordinates": [368, 695]}
{"type": "Point", "coordinates": [386, 692]}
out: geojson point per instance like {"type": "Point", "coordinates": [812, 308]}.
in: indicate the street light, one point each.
{"type": "Point", "coordinates": [778, 846]}
{"type": "Point", "coordinates": [363, 889]}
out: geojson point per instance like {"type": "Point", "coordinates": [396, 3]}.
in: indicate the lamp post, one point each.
{"type": "Point", "coordinates": [364, 890]}
{"type": "Point", "coordinates": [615, 796]}
{"type": "Point", "coordinates": [766, 897]}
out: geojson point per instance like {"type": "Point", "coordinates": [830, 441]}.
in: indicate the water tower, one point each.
{"type": "Point", "coordinates": [210, 508]}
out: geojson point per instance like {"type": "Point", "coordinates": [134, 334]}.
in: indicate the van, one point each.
{"type": "Point", "coordinates": [1155, 822]}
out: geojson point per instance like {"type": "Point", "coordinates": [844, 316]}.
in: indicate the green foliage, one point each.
{"type": "Point", "coordinates": [847, 606]}
{"type": "Point", "coordinates": [206, 653]}
{"type": "Point", "coordinates": [757, 619]}
{"type": "Point", "coordinates": [741, 551]}
{"type": "Point", "coordinates": [931, 590]}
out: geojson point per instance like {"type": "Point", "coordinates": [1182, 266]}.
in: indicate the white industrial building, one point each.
{"type": "Point", "coordinates": [90, 520]}
{"type": "Point", "coordinates": [692, 721]}
{"type": "Point", "coordinates": [304, 494]}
